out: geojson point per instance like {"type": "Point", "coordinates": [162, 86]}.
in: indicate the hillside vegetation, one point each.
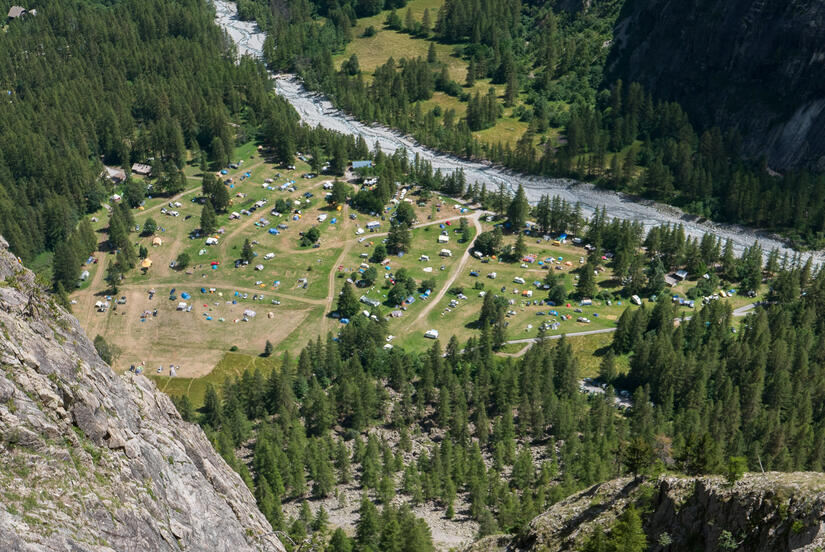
{"type": "Point", "coordinates": [541, 68]}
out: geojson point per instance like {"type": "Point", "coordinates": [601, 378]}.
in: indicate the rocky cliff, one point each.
{"type": "Point", "coordinates": [90, 460]}
{"type": "Point", "coordinates": [779, 512]}
{"type": "Point", "coordinates": [754, 65]}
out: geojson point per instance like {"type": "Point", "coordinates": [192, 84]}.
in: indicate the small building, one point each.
{"type": "Point", "coordinates": [361, 164]}
{"type": "Point", "coordinates": [681, 274]}
{"type": "Point", "coordinates": [114, 174]}
{"type": "Point", "coordinates": [670, 281]}
{"type": "Point", "coordinates": [16, 12]}
{"type": "Point", "coordinates": [142, 169]}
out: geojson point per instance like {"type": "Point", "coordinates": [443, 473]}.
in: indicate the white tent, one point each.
{"type": "Point", "coordinates": [249, 313]}
{"type": "Point", "coordinates": [181, 306]}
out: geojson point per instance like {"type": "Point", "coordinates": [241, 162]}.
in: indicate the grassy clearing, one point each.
{"type": "Point", "coordinates": [230, 366]}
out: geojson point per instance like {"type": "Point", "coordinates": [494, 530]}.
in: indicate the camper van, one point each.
{"type": "Point", "coordinates": [518, 280]}
{"type": "Point", "coordinates": [445, 253]}
{"type": "Point", "coordinates": [431, 334]}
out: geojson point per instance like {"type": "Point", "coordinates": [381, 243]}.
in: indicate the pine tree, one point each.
{"type": "Point", "coordinates": [65, 266]}
{"type": "Point", "coordinates": [247, 254]}
{"type": "Point", "coordinates": [518, 210]}
{"type": "Point", "coordinates": [209, 221]}
{"type": "Point", "coordinates": [426, 26]}
{"type": "Point", "coordinates": [520, 248]}
{"type": "Point", "coordinates": [628, 534]}
{"type": "Point", "coordinates": [347, 303]}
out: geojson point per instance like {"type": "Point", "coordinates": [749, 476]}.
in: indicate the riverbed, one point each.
{"type": "Point", "coordinates": [315, 110]}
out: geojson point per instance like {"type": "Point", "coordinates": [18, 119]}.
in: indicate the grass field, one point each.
{"type": "Point", "coordinates": [373, 51]}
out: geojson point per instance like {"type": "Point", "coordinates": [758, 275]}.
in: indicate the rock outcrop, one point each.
{"type": "Point", "coordinates": [780, 512]}
{"type": "Point", "coordinates": [757, 66]}
{"type": "Point", "coordinates": [90, 460]}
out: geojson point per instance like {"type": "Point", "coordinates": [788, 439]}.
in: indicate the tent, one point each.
{"type": "Point", "coordinates": [249, 313]}
{"type": "Point", "coordinates": [147, 263]}
{"type": "Point", "coordinates": [157, 241]}
{"type": "Point", "coordinates": [184, 295]}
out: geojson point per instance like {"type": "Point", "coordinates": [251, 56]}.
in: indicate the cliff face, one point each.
{"type": "Point", "coordinates": [90, 460]}
{"type": "Point", "coordinates": [780, 512]}
{"type": "Point", "coordinates": [754, 65]}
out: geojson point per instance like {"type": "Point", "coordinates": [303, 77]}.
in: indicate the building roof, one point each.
{"type": "Point", "coordinates": [114, 173]}
{"type": "Point", "coordinates": [361, 164]}
{"type": "Point", "coordinates": [17, 11]}
{"type": "Point", "coordinates": [141, 168]}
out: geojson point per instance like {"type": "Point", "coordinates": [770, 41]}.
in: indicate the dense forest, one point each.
{"type": "Point", "coordinates": [612, 133]}
{"type": "Point", "coordinates": [499, 439]}
{"type": "Point", "coordinates": [120, 82]}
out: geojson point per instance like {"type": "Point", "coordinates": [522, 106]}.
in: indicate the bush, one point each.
{"type": "Point", "coordinates": [370, 31]}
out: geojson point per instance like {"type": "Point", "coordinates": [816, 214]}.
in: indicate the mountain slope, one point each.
{"type": "Point", "coordinates": [781, 512]}
{"type": "Point", "coordinates": [756, 66]}
{"type": "Point", "coordinates": [93, 461]}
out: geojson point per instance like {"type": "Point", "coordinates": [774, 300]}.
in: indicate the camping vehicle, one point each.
{"type": "Point", "coordinates": [635, 300]}
{"type": "Point", "coordinates": [431, 334]}
{"type": "Point", "coordinates": [424, 258]}
{"type": "Point", "coordinates": [443, 239]}
{"type": "Point", "coordinates": [586, 302]}
{"type": "Point", "coordinates": [269, 256]}
{"type": "Point", "coordinates": [518, 280]}
{"type": "Point", "coordinates": [445, 253]}
{"type": "Point", "coordinates": [492, 275]}
{"type": "Point", "coordinates": [583, 320]}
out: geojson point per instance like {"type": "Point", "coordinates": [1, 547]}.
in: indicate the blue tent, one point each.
{"type": "Point", "coordinates": [273, 231]}
{"type": "Point", "coordinates": [224, 171]}
{"type": "Point", "coordinates": [185, 295]}
{"type": "Point", "coordinates": [203, 290]}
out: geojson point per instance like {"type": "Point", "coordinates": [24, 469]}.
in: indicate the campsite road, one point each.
{"type": "Point", "coordinates": [456, 271]}
{"type": "Point", "coordinates": [338, 262]}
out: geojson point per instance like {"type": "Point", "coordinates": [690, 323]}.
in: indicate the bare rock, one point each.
{"type": "Point", "coordinates": [115, 465]}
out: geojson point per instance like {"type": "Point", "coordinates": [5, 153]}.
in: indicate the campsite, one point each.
{"type": "Point", "coordinates": [195, 314]}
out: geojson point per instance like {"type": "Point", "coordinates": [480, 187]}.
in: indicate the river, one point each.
{"type": "Point", "coordinates": [315, 110]}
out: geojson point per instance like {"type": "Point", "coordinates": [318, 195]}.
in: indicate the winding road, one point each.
{"type": "Point", "coordinates": [315, 109]}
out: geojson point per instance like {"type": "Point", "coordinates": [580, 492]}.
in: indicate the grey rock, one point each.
{"type": "Point", "coordinates": [115, 466]}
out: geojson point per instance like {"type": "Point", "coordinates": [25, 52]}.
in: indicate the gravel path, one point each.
{"type": "Point", "coordinates": [315, 110]}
